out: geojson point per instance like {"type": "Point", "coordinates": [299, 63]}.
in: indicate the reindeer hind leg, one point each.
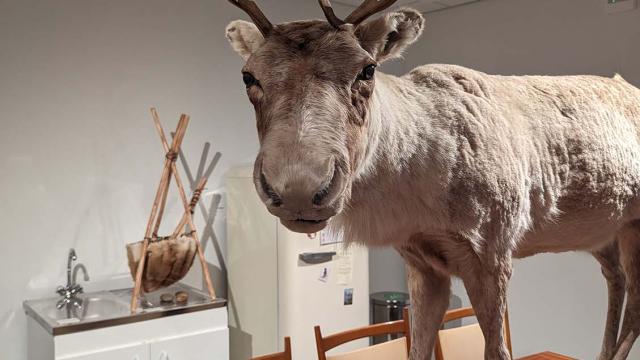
{"type": "Point", "coordinates": [609, 259]}
{"type": "Point", "coordinates": [629, 242]}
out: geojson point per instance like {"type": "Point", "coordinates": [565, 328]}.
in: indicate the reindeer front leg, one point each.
{"type": "Point", "coordinates": [430, 290]}
{"type": "Point", "coordinates": [486, 285]}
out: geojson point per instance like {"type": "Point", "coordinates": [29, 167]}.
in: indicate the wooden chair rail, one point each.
{"type": "Point", "coordinates": [285, 355]}
{"type": "Point", "coordinates": [461, 313]}
{"type": "Point", "coordinates": [456, 314]}
{"type": "Point", "coordinates": [547, 355]}
{"type": "Point", "coordinates": [338, 339]}
{"type": "Point", "coordinates": [393, 327]}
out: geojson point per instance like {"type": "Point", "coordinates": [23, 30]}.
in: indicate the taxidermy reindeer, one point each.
{"type": "Point", "coordinates": [458, 170]}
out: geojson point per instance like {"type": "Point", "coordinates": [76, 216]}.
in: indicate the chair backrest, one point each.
{"type": "Point", "coordinates": [394, 349]}
{"type": "Point", "coordinates": [390, 350]}
{"type": "Point", "coordinates": [465, 342]}
{"type": "Point", "coordinates": [285, 355]}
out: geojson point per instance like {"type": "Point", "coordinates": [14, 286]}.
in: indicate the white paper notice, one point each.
{"type": "Point", "coordinates": [345, 265]}
{"type": "Point", "coordinates": [327, 238]}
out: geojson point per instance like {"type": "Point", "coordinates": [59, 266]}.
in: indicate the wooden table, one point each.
{"type": "Point", "coordinates": [547, 355]}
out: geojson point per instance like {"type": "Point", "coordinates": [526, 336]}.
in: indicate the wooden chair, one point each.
{"type": "Point", "coordinates": [285, 355]}
{"type": "Point", "coordinates": [397, 349]}
{"type": "Point", "coordinates": [465, 342]}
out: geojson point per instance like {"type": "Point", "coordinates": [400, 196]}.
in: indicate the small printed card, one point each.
{"type": "Point", "coordinates": [328, 238]}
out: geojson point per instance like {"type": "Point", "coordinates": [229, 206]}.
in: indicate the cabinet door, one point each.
{"type": "Point", "coordinates": [209, 345]}
{"type": "Point", "coordinates": [135, 352]}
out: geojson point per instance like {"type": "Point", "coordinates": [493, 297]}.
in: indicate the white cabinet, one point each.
{"type": "Point", "coordinates": [136, 352]}
{"type": "Point", "coordinates": [197, 335]}
{"type": "Point", "coordinates": [210, 345]}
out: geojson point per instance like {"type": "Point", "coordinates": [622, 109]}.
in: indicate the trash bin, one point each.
{"type": "Point", "coordinates": [387, 306]}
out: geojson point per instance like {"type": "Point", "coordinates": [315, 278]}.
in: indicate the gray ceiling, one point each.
{"type": "Point", "coordinates": [421, 5]}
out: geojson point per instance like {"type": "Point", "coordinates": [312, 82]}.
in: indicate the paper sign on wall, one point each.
{"type": "Point", "coordinates": [345, 265]}
{"type": "Point", "coordinates": [328, 238]}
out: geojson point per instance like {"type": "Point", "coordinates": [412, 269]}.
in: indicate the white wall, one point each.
{"type": "Point", "coordinates": [557, 302]}
{"type": "Point", "coordinates": [79, 157]}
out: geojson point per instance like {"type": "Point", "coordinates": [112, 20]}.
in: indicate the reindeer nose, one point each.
{"type": "Point", "coordinates": [324, 192]}
{"type": "Point", "coordinates": [299, 189]}
{"type": "Point", "coordinates": [276, 200]}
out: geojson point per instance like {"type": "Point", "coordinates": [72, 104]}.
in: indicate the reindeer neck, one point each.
{"type": "Point", "coordinates": [398, 166]}
{"type": "Point", "coordinates": [398, 129]}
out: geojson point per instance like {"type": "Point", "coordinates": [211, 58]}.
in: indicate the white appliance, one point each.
{"type": "Point", "coordinates": [273, 293]}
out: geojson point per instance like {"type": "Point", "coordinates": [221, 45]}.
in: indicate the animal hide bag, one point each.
{"type": "Point", "coordinates": [168, 261]}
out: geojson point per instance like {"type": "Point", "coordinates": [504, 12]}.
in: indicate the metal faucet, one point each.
{"type": "Point", "coordinates": [72, 289]}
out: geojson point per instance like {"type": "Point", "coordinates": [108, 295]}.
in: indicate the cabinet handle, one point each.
{"type": "Point", "coordinates": [164, 356]}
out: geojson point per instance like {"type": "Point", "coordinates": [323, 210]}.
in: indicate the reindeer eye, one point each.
{"type": "Point", "coordinates": [368, 72]}
{"type": "Point", "coordinates": [249, 80]}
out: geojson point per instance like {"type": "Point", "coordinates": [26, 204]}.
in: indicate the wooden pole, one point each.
{"type": "Point", "coordinates": [162, 188]}
{"type": "Point", "coordinates": [163, 203]}
{"type": "Point", "coordinates": [187, 211]}
{"type": "Point", "coordinates": [197, 192]}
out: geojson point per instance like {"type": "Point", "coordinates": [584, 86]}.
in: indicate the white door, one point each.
{"type": "Point", "coordinates": [135, 352]}
{"type": "Point", "coordinates": [252, 269]}
{"type": "Point", "coordinates": [209, 345]}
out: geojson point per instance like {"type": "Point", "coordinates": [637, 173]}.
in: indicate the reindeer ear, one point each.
{"type": "Point", "coordinates": [388, 36]}
{"type": "Point", "coordinates": [245, 38]}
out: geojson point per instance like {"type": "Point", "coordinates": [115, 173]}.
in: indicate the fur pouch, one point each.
{"type": "Point", "coordinates": [168, 261]}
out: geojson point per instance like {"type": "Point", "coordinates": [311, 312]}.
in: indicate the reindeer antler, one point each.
{"type": "Point", "coordinates": [335, 21]}
{"type": "Point", "coordinates": [258, 17]}
{"type": "Point", "coordinates": [360, 14]}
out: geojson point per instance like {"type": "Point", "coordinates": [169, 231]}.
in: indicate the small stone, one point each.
{"type": "Point", "coordinates": [166, 298]}
{"type": "Point", "coordinates": [182, 297]}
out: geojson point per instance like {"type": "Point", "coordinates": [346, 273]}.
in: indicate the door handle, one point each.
{"type": "Point", "coordinates": [316, 257]}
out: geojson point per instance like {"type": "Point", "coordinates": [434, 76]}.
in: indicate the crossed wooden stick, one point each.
{"type": "Point", "coordinates": [170, 170]}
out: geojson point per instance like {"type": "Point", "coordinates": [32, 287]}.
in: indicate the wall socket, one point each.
{"type": "Point", "coordinates": [618, 6]}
